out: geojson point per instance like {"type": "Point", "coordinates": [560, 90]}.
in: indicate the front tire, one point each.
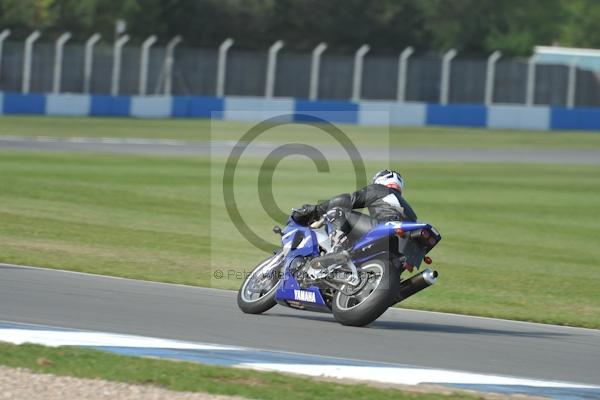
{"type": "Point", "coordinates": [372, 300]}
{"type": "Point", "coordinates": [257, 293]}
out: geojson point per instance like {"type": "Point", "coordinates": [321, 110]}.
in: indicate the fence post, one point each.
{"type": "Point", "coordinates": [169, 61]}
{"type": "Point", "coordinates": [88, 61]}
{"type": "Point", "coordinates": [144, 54]}
{"type": "Point", "coordinates": [358, 68]}
{"type": "Point", "coordinates": [490, 77]}
{"type": "Point", "coordinates": [530, 96]}
{"type": "Point", "coordinates": [5, 33]}
{"type": "Point", "coordinates": [572, 85]}
{"type": "Point", "coordinates": [402, 73]}
{"type": "Point", "coordinates": [445, 83]}
{"type": "Point", "coordinates": [315, 67]}
{"type": "Point", "coordinates": [271, 68]}
{"type": "Point", "coordinates": [58, 61]}
{"type": "Point", "coordinates": [28, 58]}
{"type": "Point", "coordinates": [222, 66]}
{"type": "Point", "coordinates": [116, 71]}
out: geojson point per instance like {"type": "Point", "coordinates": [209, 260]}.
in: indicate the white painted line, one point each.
{"type": "Point", "coordinates": [407, 375]}
{"type": "Point", "coordinates": [81, 338]}
{"type": "Point", "coordinates": [47, 139]}
{"type": "Point", "coordinates": [381, 372]}
{"type": "Point", "coordinates": [132, 141]}
{"type": "Point", "coordinates": [76, 140]}
{"type": "Point", "coordinates": [98, 140]}
{"type": "Point", "coordinates": [111, 141]}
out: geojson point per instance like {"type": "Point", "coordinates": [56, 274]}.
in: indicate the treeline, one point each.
{"type": "Point", "coordinates": [471, 26]}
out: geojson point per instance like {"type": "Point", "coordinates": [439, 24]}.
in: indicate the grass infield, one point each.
{"type": "Point", "coordinates": [190, 377]}
{"type": "Point", "coordinates": [520, 241]}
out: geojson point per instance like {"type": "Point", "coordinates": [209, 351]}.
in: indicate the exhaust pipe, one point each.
{"type": "Point", "coordinates": [415, 284]}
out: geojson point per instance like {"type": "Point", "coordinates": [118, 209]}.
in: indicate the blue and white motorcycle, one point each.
{"type": "Point", "coordinates": [357, 285]}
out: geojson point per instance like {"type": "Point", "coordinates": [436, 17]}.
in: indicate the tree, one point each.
{"type": "Point", "coordinates": [26, 15]}
{"type": "Point", "coordinates": [471, 26]}
{"type": "Point", "coordinates": [581, 30]}
{"type": "Point", "coordinates": [483, 26]}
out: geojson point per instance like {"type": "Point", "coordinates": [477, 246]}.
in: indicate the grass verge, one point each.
{"type": "Point", "coordinates": [190, 377]}
{"type": "Point", "coordinates": [520, 241]}
{"type": "Point", "coordinates": [203, 130]}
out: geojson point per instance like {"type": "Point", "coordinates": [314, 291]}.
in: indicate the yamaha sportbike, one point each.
{"type": "Point", "coordinates": [356, 285]}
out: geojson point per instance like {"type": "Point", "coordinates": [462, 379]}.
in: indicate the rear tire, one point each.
{"type": "Point", "coordinates": [365, 307]}
{"type": "Point", "coordinates": [268, 284]}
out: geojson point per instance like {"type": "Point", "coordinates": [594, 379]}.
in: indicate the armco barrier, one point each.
{"type": "Point", "coordinates": [110, 106]}
{"type": "Point", "coordinates": [367, 113]}
{"type": "Point", "coordinates": [16, 103]}
{"type": "Point", "coordinates": [151, 106]}
{"type": "Point", "coordinates": [71, 104]}
{"type": "Point", "coordinates": [577, 118]}
{"type": "Point", "coordinates": [256, 109]}
{"type": "Point", "coordinates": [197, 107]}
{"type": "Point", "coordinates": [519, 117]}
{"type": "Point", "coordinates": [457, 115]}
{"type": "Point", "coordinates": [333, 111]}
{"type": "Point", "coordinates": [398, 114]}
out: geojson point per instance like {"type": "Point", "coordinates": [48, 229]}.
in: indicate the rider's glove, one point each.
{"type": "Point", "coordinates": [305, 215]}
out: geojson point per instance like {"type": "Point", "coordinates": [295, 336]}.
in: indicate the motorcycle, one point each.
{"type": "Point", "coordinates": [356, 285]}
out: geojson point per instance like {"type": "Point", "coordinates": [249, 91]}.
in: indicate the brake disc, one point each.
{"type": "Point", "coordinates": [361, 286]}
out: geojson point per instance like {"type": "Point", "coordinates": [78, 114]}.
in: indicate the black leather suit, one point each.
{"type": "Point", "coordinates": [384, 204]}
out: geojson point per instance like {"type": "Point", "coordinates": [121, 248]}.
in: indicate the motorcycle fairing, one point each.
{"type": "Point", "coordinates": [299, 241]}
{"type": "Point", "coordinates": [289, 293]}
{"type": "Point", "coordinates": [388, 229]}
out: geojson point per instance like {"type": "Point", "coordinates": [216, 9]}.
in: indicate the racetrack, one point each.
{"type": "Point", "coordinates": [73, 300]}
{"type": "Point", "coordinates": [166, 147]}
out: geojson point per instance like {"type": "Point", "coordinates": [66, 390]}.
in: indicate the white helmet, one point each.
{"type": "Point", "coordinates": [390, 179]}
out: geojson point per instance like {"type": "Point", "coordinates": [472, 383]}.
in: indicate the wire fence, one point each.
{"type": "Point", "coordinates": [197, 71]}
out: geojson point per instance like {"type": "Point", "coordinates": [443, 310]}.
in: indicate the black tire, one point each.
{"type": "Point", "coordinates": [264, 302]}
{"type": "Point", "coordinates": [377, 299]}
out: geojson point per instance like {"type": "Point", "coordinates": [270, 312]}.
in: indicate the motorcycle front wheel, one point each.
{"type": "Point", "coordinates": [380, 282]}
{"type": "Point", "coordinates": [257, 293]}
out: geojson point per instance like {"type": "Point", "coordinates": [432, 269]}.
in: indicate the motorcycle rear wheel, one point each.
{"type": "Point", "coordinates": [372, 300]}
{"type": "Point", "coordinates": [257, 293]}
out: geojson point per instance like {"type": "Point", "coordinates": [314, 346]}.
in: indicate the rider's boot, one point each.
{"type": "Point", "coordinates": [337, 254]}
{"type": "Point", "coordinates": [339, 241]}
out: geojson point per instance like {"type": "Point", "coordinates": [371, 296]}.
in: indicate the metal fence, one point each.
{"type": "Point", "coordinates": [63, 66]}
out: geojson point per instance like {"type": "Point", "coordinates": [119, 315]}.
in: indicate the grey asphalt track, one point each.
{"type": "Point", "coordinates": [72, 300]}
{"type": "Point", "coordinates": [262, 149]}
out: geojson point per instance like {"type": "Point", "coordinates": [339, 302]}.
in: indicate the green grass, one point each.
{"type": "Point", "coordinates": [189, 377]}
{"type": "Point", "coordinates": [520, 241]}
{"type": "Point", "coordinates": [202, 130]}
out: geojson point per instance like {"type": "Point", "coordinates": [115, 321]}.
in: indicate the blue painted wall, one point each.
{"type": "Point", "coordinates": [332, 111]}
{"type": "Point", "coordinates": [577, 118]}
{"type": "Point", "coordinates": [16, 103]}
{"type": "Point", "coordinates": [457, 115]}
{"type": "Point", "coordinates": [257, 108]}
{"type": "Point", "coordinates": [109, 106]}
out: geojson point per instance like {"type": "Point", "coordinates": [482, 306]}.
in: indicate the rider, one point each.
{"type": "Point", "coordinates": [383, 198]}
